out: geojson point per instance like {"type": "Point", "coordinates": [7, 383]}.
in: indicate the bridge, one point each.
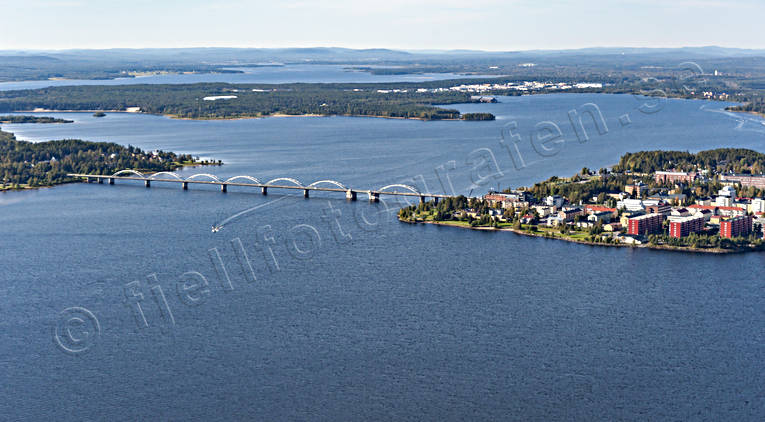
{"type": "Point", "coordinates": [253, 182]}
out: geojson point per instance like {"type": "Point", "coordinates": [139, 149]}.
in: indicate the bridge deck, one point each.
{"type": "Point", "coordinates": [259, 185]}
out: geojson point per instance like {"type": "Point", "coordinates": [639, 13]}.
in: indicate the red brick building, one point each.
{"type": "Point", "coordinates": [645, 224]}
{"type": "Point", "coordinates": [661, 208]}
{"type": "Point", "coordinates": [757, 181]}
{"type": "Point", "coordinates": [592, 209]}
{"type": "Point", "coordinates": [736, 226]}
{"type": "Point", "coordinates": [674, 176]}
{"type": "Point", "coordinates": [683, 226]}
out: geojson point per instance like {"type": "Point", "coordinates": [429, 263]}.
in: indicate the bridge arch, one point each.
{"type": "Point", "coordinates": [286, 179]}
{"type": "Point", "coordinates": [207, 175]}
{"type": "Point", "coordinates": [133, 172]}
{"type": "Point", "coordinates": [250, 178]}
{"type": "Point", "coordinates": [331, 182]}
{"type": "Point", "coordinates": [398, 185]}
{"type": "Point", "coordinates": [169, 173]}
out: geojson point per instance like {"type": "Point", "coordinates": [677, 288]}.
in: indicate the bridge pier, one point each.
{"type": "Point", "coordinates": [148, 183]}
{"type": "Point", "coordinates": [223, 188]}
{"type": "Point", "coordinates": [111, 180]}
{"type": "Point", "coordinates": [264, 190]}
{"type": "Point", "coordinates": [185, 185]}
{"type": "Point", "coordinates": [100, 180]}
{"type": "Point", "coordinates": [305, 193]}
{"type": "Point", "coordinates": [422, 199]}
{"type": "Point", "coordinates": [374, 196]}
{"type": "Point", "coordinates": [435, 200]}
{"type": "Point", "coordinates": [350, 195]}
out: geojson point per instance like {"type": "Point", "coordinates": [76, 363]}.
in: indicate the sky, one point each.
{"type": "Point", "coordinates": [505, 25]}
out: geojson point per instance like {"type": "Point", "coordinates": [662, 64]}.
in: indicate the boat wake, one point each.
{"type": "Point", "coordinates": [219, 226]}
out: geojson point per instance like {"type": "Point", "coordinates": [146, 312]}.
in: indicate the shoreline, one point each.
{"type": "Point", "coordinates": [585, 242]}
{"type": "Point", "coordinates": [755, 113]}
{"type": "Point", "coordinates": [173, 116]}
{"type": "Point", "coordinates": [28, 188]}
{"type": "Point", "coordinates": [176, 117]}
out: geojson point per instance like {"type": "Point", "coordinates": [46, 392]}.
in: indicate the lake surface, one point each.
{"type": "Point", "coordinates": [378, 320]}
{"type": "Point", "coordinates": [264, 74]}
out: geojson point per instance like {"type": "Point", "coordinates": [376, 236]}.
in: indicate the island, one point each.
{"type": "Point", "coordinates": [711, 201]}
{"type": "Point", "coordinates": [15, 119]}
{"type": "Point", "coordinates": [26, 165]}
{"type": "Point", "coordinates": [234, 101]}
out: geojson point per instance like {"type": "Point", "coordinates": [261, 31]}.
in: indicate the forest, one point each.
{"type": "Point", "coordinates": [737, 160]}
{"type": "Point", "coordinates": [755, 105]}
{"type": "Point", "coordinates": [27, 164]}
{"type": "Point", "coordinates": [244, 100]}
{"type": "Point", "coordinates": [32, 119]}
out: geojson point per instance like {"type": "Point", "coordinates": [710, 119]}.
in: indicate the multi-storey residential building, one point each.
{"type": "Point", "coordinates": [569, 213]}
{"type": "Point", "coordinates": [736, 226]}
{"type": "Point", "coordinates": [674, 176]}
{"type": "Point", "coordinates": [517, 199]}
{"type": "Point", "coordinates": [757, 181]}
{"type": "Point", "coordinates": [645, 224]}
{"type": "Point", "coordinates": [660, 208]}
{"type": "Point", "coordinates": [683, 226]}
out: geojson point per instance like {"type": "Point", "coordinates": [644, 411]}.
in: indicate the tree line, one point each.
{"type": "Point", "coordinates": [737, 160]}
{"type": "Point", "coordinates": [251, 100]}
{"type": "Point", "coordinates": [47, 163]}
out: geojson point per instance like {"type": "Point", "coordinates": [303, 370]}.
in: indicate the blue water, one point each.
{"type": "Point", "coordinates": [265, 74]}
{"type": "Point", "coordinates": [396, 322]}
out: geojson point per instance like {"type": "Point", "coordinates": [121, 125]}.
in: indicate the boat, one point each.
{"type": "Point", "coordinates": [216, 229]}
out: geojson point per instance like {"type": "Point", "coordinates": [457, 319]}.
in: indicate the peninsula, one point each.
{"type": "Point", "coordinates": [712, 201]}
{"type": "Point", "coordinates": [16, 119]}
{"type": "Point", "coordinates": [32, 165]}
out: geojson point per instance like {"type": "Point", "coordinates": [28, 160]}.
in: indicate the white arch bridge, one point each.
{"type": "Point", "coordinates": [253, 182]}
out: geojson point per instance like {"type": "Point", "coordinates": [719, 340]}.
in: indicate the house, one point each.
{"type": "Point", "coordinates": [629, 239]}
{"type": "Point", "coordinates": [602, 217]}
{"type": "Point", "coordinates": [612, 227]}
{"type": "Point", "coordinates": [591, 209]}
{"type": "Point", "coordinates": [528, 219]}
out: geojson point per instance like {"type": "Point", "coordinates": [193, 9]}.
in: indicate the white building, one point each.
{"type": "Point", "coordinates": [758, 205]}
{"type": "Point", "coordinates": [554, 201]}
{"type": "Point", "coordinates": [630, 205]}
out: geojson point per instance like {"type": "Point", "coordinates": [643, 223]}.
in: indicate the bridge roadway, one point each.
{"type": "Point", "coordinates": [374, 195]}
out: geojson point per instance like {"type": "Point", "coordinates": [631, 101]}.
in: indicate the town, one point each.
{"type": "Point", "coordinates": [702, 209]}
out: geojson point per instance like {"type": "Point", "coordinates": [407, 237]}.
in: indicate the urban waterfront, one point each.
{"type": "Point", "coordinates": [354, 315]}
